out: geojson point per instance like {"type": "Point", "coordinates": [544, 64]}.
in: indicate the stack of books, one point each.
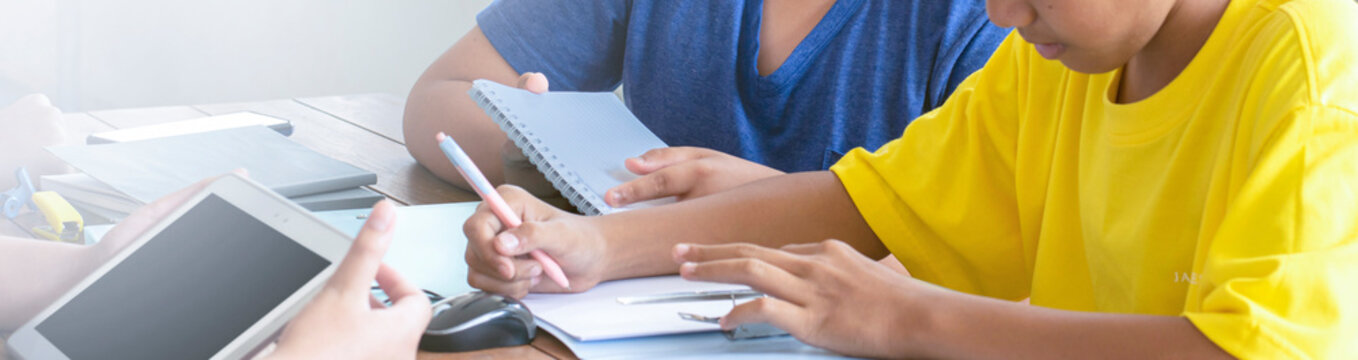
{"type": "Point", "coordinates": [117, 178]}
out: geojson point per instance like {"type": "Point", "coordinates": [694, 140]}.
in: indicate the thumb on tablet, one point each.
{"type": "Point", "coordinates": [359, 267]}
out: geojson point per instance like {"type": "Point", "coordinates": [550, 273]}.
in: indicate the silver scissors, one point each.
{"type": "Point", "coordinates": [743, 332]}
{"type": "Point", "coordinates": [684, 296]}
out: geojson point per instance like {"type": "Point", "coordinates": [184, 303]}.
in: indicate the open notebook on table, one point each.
{"type": "Point", "coordinates": [579, 140]}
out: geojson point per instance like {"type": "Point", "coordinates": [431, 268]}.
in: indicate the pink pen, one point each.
{"type": "Point", "coordinates": [478, 181]}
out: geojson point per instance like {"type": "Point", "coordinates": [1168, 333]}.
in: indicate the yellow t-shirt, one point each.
{"type": "Point", "coordinates": [1229, 197]}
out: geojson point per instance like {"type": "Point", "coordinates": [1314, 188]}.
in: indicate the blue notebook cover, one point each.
{"type": "Point", "coordinates": [579, 140]}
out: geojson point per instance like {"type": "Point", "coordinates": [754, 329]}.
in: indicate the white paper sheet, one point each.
{"type": "Point", "coordinates": [597, 315]}
{"type": "Point", "coordinates": [428, 245]}
{"type": "Point", "coordinates": [700, 345]}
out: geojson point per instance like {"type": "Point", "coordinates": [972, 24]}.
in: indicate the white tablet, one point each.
{"type": "Point", "coordinates": [216, 279]}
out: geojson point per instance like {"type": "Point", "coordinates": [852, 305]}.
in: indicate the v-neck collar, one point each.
{"type": "Point", "coordinates": [801, 57]}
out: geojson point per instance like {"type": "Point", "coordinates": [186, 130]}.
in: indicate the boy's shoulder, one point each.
{"type": "Point", "coordinates": [1315, 9]}
{"type": "Point", "coordinates": [1323, 25]}
{"type": "Point", "coordinates": [1317, 36]}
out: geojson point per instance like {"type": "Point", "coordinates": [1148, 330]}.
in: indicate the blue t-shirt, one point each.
{"type": "Point", "coordinates": [689, 72]}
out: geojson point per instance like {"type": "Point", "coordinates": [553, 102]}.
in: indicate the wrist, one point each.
{"type": "Point", "coordinates": [630, 248]}
{"type": "Point", "coordinates": [612, 250]}
{"type": "Point", "coordinates": [94, 256]}
{"type": "Point", "coordinates": [925, 319]}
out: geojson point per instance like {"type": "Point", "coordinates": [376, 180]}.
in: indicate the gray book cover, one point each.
{"type": "Point", "coordinates": [149, 169]}
{"type": "Point", "coordinates": [355, 198]}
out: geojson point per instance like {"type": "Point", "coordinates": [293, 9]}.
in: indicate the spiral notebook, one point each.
{"type": "Point", "coordinates": [579, 140]}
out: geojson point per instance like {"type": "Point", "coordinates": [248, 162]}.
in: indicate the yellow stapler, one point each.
{"type": "Point", "coordinates": [63, 221]}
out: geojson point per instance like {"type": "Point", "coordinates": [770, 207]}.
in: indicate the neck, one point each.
{"type": "Point", "coordinates": [1186, 28]}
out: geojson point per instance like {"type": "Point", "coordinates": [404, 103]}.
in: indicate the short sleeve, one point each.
{"type": "Point", "coordinates": [577, 44]}
{"type": "Point", "coordinates": [1279, 277]}
{"type": "Point", "coordinates": [924, 193]}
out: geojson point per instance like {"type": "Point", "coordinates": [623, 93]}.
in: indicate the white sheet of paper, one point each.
{"type": "Point", "coordinates": [700, 345]}
{"type": "Point", "coordinates": [428, 244]}
{"type": "Point", "coordinates": [597, 315]}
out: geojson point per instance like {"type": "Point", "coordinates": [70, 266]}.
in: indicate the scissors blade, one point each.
{"type": "Point", "coordinates": [700, 318]}
{"type": "Point", "coordinates": [743, 332]}
{"type": "Point", "coordinates": [689, 296]}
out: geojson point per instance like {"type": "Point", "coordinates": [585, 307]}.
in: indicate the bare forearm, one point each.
{"type": "Point", "coordinates": [443, 106]}
{"type": "Point", "coordinates": [967, 326]}
{"type": "Point", "coordinates": [34, 273]}
{"type": "Point", "coordinates": [788, 209]}
{"type": "Point", "coordinates": [439, 102]}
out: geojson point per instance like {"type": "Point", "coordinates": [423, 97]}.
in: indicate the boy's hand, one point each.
{"type": "Point", "coordinates": [686, 172]}
{"type": "Point", "coordinates": [345, 320]}
{"type": "Point", "coordinates": [533, 81]}
{"type": "Point", "coordinates": [809, 285]}
{"type": "Point", "coordinates": [498, 257]}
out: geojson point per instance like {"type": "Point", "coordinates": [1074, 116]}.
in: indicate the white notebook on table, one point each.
{"type": "Point", "coordinates": [579, 140]}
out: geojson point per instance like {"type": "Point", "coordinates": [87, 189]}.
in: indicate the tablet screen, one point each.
{"type": "Point", "coordinates": [187, 292]}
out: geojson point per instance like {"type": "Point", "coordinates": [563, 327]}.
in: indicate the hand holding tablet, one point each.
{"type": "Point", "coordinates": [345, 321]}
{"type": "Point", "coordinates": [216, 278]}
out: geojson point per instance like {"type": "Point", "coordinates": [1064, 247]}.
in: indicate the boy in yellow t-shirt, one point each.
{"type": "Point", "coordinates": [1161, 178]}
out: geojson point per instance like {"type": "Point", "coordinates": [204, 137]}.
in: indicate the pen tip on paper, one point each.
{"type": "Point", "coordinates": [440, 136]}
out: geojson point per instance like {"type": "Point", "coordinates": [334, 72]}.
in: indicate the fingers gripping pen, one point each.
{"type": "Point", "coordinates": [478, 181]}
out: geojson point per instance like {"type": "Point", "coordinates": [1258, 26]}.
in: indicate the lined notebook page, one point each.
{"type": "Point", "coordinates": [579, 140]}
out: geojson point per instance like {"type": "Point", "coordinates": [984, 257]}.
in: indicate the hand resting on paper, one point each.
{"type": "Point", "coordinates": [808, 285]}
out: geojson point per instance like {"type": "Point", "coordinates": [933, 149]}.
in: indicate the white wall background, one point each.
{"type": "Point", "coordinates": [101, 54]}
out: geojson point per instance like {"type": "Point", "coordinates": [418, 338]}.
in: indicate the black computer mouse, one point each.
{"type": "Point", "coordinates": [476, 321]}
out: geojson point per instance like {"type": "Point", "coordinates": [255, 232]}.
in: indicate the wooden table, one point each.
{"type": "Point", "coordinates": [363, 130]}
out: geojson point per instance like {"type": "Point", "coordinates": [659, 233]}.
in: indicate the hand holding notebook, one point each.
{"type": "Point", "coordinates": [580, 141]}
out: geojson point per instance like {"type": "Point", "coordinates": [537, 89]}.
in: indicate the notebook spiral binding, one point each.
{"type": "Point", "coordinates": [532, 147]}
